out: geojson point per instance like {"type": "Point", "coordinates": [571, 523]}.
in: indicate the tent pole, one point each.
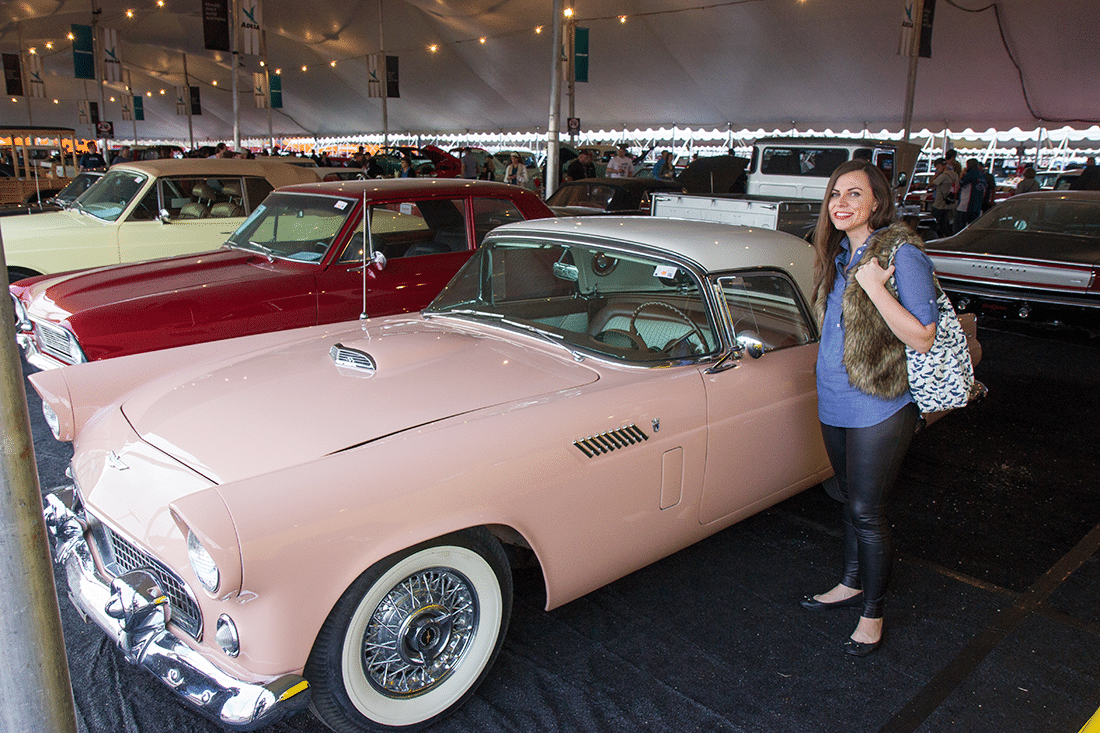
{"type": "Point", "coordinates": [553, 143]}
{"type": "Point", "coordinates": [914, 56]}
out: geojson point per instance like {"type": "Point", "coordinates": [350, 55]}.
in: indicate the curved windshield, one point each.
{"type": "Point", "coordinates": [627, 307]}
{"type": "Point", "coordinates": [293, 226]}
{"type": "Point", "coordinates": [587, 195]}
{"type": "Point", "coordinates": [112, 195]}
{"type": "Point", "coordinates": [1050, 215]}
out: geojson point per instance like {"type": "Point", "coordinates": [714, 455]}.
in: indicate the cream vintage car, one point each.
{"type": "Point", "coordinates": [145, 210]}
{"type": "Point", "coordinates": [327, 516]}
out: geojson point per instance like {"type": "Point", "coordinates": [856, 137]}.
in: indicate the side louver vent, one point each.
{"type": "Point", "coordinates": [349, 358]}
{"type": "Point", "coordinates": [596, 445]}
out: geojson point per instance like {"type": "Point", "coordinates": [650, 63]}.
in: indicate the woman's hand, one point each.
{"type": "Point", "coordinates": [871, 276]}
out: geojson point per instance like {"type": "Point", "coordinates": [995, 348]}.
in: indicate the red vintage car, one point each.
{"type": "Point", "coordinates": [302, 258]}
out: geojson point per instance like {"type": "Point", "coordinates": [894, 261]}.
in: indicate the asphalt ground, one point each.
{"type": "Point", "coordinates": [993, 615]}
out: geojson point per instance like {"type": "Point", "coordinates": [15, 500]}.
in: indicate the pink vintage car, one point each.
{"type": "Point", "coordinates": [296, 261]}
{"type": "Point", "coordinates": [320, 516]}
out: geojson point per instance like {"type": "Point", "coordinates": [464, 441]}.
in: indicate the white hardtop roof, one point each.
{"type": "Point", "coordinates": [715, 247]}
{"type": "Point", "coordinates": [275, 171]}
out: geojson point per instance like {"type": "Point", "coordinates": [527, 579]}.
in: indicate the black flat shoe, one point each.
{"type": "Point", "coordinates": [859, 648]}
{"type": "Point", "coordinates": [815, 605]}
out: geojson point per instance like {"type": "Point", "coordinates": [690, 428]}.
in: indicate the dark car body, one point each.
{"type": "Point", "coordinates": [78, 185]}
{"type": "Point", "coordinates": [607, 196]}
{"type": "Point", "coordinates": [1033, 256]}
{"type": "Point", "coordinates": [298, 260]}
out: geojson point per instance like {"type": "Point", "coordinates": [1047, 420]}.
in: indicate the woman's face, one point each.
{"type": "Point", "coordinates": [851, 204]}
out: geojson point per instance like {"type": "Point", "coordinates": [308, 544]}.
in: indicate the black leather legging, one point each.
{"type": "Point", "coordinates": [867, 462]}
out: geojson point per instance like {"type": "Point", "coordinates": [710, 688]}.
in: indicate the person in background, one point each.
{"type": "Point", "coordinates": [516, 172]}
{"type": "Point", "coordinates": [123, 155]}
{"type": "Point", "coordinates": [944, 186]}
{"type": "Point", "coordinates": [621, 165]}
{"type": "Point", "coordinates": [874, 294]}
{"type": "Point", "coordinates": [489, 170]}
{"type": "Point", "coordinates": [469, 163]}
{"type": "Point", "coordinates": [581, 167]}
{"type": "Point", "coordinates": [1028, 183]}
{"type": "Point", "coordinates": [971, 194]}
{"type": "Point", "coordinates": [663, 169]}
{"type": "Point", "coordinates": [406, 168]}
{"type": "Point", "coordinates": [1089, 180]}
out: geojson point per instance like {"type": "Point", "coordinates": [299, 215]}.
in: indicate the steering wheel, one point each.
{"type": "Point", "coordinates": [612, 337]}
{"type": "Point", "coordinates": [676, 312]}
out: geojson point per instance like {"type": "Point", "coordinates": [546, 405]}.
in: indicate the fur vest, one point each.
{"type": "Point", "coordinates": [873, 356]}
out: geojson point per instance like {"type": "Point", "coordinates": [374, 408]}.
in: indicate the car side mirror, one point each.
{"type": "Point", "coordinates": [164, 217]}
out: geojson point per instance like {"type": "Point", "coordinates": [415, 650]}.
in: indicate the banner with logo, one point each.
{"type": "Point", "coordinates": [83, 52]}
{"type": "Point", "coordinates": [250, 27]}
{"type": "Point", "coordinates": [126, 102]}
{"type": "Point", "coordinates": [34, 76]}
{"type": "Point", "coordinates": [181, 100]}
{"type": "Point", "coordinates": [259, 89]}
{"type": "Point", "coordinates": [112, 58]}
{"type": "Point", "coordinates": [275, 90]}
{"type": "Point", "coordinates": [82, 112]}
{"type": "Point", "coordinates": [377, 64]}
{"type": "Point", "coordinates": [139, 108]}
{"type": "Point", "coordinates": [905, 41]}
{"type": "Point", "coordinates": [13, 75]}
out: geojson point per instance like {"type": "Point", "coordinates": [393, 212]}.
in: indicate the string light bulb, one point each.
{"type": "Point", "coordinates": [304, 68]}
{"type": "Point", "coordinates": [129, 13]}
{"type": "Point", "coordinates": [538, 29]}
{"type": "Point", "coordinates": [434, 47]}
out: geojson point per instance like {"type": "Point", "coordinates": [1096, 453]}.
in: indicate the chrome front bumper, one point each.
{"type": "Point", "coordinates": [38, 360]}
{"type": "Point", "coordinates": [134, 611]}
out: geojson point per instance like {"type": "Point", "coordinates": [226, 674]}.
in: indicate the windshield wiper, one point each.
{"type": "Point", "coordinates": [549, 336]}
{"type": "Point", "coordinates": [265, 250]}
{"type": "Point", "coordinates": [465, 312]}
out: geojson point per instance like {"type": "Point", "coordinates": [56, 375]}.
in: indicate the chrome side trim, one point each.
{"type": "Point", "coordinates": [134, 611]}
{"type": "Point", "coordinates": [595, 445]}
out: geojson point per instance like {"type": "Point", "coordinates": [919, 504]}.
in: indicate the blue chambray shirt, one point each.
{"type": "Point", "coordinates": [839, 403]}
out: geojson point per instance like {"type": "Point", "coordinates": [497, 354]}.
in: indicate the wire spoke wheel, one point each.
{"type": "Point", "coordinates": [412, 638]}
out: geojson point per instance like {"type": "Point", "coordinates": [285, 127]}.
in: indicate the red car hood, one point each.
{"type": "Point", "coordinates": [290, 404]}
{"type": "Point", "coordinates": [60, 296]}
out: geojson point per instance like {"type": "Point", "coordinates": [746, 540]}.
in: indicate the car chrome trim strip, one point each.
{"type": "Point", "coordinates": [595, 445]}
{"type": "Point", "coordinates": [132, 611]}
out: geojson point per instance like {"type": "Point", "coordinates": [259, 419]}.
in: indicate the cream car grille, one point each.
{"type": "Point", "coordinates": [53, 341]}
{"type": "Point", "coordinates": [185, 611]}
{"type": "Point", "coordinates": [596, 445]}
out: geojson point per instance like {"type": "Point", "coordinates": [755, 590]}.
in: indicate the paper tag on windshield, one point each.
{"type": "Point", "coordinates": [668, 272]}
{"type": "Point", "coordinates": [341, 205]}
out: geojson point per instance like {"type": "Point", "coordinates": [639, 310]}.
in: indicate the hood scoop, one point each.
{"type": "Point", "coordinates": [358, 361]}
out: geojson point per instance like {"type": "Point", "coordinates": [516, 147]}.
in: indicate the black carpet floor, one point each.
{"type": "Point", "coordinates": [993, 618]}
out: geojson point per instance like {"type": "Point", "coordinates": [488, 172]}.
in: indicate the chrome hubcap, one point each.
{"type": "Point", "coordinates": [419, 632]}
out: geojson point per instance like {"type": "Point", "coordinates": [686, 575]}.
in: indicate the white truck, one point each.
{"type": "Point", "coordinates": [784, 183]}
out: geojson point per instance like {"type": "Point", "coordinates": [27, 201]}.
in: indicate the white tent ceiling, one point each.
{"type": "Point", "coordinates": [713, 64]}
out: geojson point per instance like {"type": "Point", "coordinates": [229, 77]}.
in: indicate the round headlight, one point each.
{"type": "Point", "coordinates": [51, 419]}
{"type": "Point", "coordinates": [201, 562]}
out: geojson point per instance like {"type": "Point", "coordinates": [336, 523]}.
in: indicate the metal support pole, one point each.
{"type": "Point", "coordinates": [233, 59]}
{"type": "Point", "coordinates": [553, 142]}
{"type": "Point", "coordinates": [34, 675]}
{"type": "Point", "coordinates": [914, 56]}
{"type": "Point", "coordinates": [571, 71]}
{"type": "Point", "coordinates": [384, 69]}
{"type": "Point", "coordinates": [187, 100]}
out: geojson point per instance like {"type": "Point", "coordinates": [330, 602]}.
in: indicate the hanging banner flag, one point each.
{"type": "Point", "coordinates": [250, 27]}
{"type": "Point", "coordinates": [83, 52]}
{"type": "Point", "coordinates": [139, 109]}
{"type": "Point", "coordinates": [259, 89]}
{"type": "Point", "coordinates": [13, 75]}
{"type": "Point", "coordinates": [275, 90]}
{"type": "Point", "coordinates": [82, 112]}
{"type": "Point", "coordinates": [181, 100]}
{"type": "Point", "coordinates": [375, 65]}
{"type": "Point", "coordinates": [34, 76]}
{"type": "Point", "coordinates": [374, 78]}
{"type": "Point", "coordinates": [905, 41]}
{"type": "Point", "coordinates": [196, 107]}
{"type": "Point", "coordinates": [215, 24]}
{"type": "Point", "coordinates": [112, 59]}
{"type": "Point", "coordinates": [126, 102]}
{"type": "Point", "coordinates": [392, 90]}
{"type": "Point", "coordinates": [580, 54]}
{"type": "Point", "coordinates": [93, 112]}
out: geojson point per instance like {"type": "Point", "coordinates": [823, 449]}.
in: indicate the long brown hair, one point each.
{"type": "Point", "coordinates": [827, 237]}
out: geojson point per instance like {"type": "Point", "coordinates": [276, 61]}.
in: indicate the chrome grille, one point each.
{"type": "Point", "coordinates": [185, 611]}
{"type": "Point", "coordinates": [345, 356]}
{"type": "Point", "coordinates": [595, 445]}
{"type": "Point", "coordinates": [53, 341]}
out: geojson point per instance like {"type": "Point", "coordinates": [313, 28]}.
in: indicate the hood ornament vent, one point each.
{"type": "Point", "coordinates": [595, 445]}
{"type": "Point", "coordinates": [346, 357]}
